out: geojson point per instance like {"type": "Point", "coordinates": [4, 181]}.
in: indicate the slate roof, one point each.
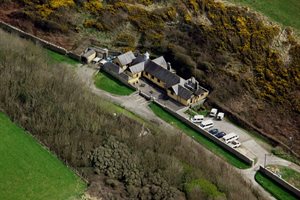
{"type": "Point", "coordinates": [139, 59]}
{"type": "Point", "coordinates": [200, 90]}
{"type": "Point", "coordinates": [113, 67]}
{"type": "Point", "coordinates": [161, 61]}
{"type": "Point", "coordinates": [181, 91]}
{"type": "Point", "coordinates": [162, 74]}
{"type": "Point", "coordinates": [126, 58]}
{"type": "Point", "coordinates": [137, 67]}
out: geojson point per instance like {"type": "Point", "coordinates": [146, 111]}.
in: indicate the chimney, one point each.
{"type": "Point", "coordinates": [196, 85]}
{"type": "Point", "coordinates": [147, 55]}
{"type": "Point", "coordinates": [169, 66]}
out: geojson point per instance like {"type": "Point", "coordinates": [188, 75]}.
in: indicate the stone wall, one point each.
{"type": "Point", "coordinates": [208, 135]}
{"type": "Point", "coordinates": [39, 41]}
{"type": "Point", "coordinates": [280, 181]}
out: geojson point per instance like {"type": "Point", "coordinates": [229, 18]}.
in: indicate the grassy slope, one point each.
{"type": "Point", "coordinates": [30, 172]}
{"type": "Point", "coordinates": [108, 83]}
{"type": "Point", "coordinates": [273, 188]}
{"type": "Point", "coordinates": [286, 12]}
{"type": "Point", "coordinates": [289, 175]}
{"type": "Point", "coordinates": [59, 58]}
{"type": "Point", "coordinates": [198, 137]}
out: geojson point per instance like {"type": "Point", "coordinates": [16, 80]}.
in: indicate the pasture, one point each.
{"type": "Point", "coordinates": [285, 12]}
{"type": "Point", "coordinates": [28, 171]}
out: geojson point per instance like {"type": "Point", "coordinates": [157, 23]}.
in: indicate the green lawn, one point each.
{"type": "Point", "coordinates": [286, 12]}
{"type": "Point", "coordinates": [106, 82]}
{"type": "Point", "coordinates": [288, 174]}
{"type": "Point", "coordinates": [27, 171]}
{"type": "Point", "coordinates": [59, 58]}
{"type": "Point", "coordinates": [276, 190]}
{"type": "Point", "coordinates": [233, 160]}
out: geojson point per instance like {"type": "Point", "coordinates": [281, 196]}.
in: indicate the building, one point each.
{"type": "Point", "coordinates": [88, 56]}
{"type": "Point", "coordinates": [130, 68]}
{"type": "Point", "coordinates": [94, 54]}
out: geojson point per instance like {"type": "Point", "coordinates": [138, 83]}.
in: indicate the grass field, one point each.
{"type": "Point", "coordinates": [28, 171]}
{"type": "Point", "coordinates": [273, 188]}
{"type": "Point", "coordinates": [288, 174]}
{"type": "Point", "coordinates": [109, 84]}
{"type": "Point", "coordinates": [286, 12]}
{"type": "Point", "coordinates": [59, 58]}
{"type": "Point", "coordinates": [230, 158]}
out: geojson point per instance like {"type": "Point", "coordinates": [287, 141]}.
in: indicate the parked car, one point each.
{"type": "Point", "coordinates": [220, 116]}
{"type": "Point", "coordinates": [220, 134]}
{"type": "Point", "coordinates": [197, 118]}
{"type": "Point", "coordinates": [213, 112]}
{"type": "Point", "coordinates": [214, 131]}
{"type": "Point", "coordinates": [234, 144]}
{"type": "Point", "coordinates": [206, 124]}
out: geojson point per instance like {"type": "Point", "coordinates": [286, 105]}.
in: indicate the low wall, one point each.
{"type": "Point", "coordinates": [74, 56]}
{"type": "Point", "coordinates": [144, 95]}
{"type": "Point", "coordinates": [243, 122]}
{"type": "Point", "coordinates": [41, 42]}
{"type": "Point", "coordinates": [280, 181]}
{"type": "Point", "coordinates": [208, 135]}
{"type": "Point", "coordinates": [116, 76]}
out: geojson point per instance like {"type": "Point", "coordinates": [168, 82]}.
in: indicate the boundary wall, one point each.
{"type": "Point", "coordinates": [208, 135]}
{"type": "Point", "coordinates": [280, 181]}
{"type": "Point", "coordinates": [11, 29]}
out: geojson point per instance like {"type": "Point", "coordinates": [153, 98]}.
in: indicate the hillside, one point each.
{"type": "Point", "coordinates": [285, 12]}
{"type": "Point", "coordinates": [221, 45]}
{"type": "Point", "coordinates": [100, 141]}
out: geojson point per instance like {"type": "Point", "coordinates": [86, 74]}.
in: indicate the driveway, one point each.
{"type": "Point", "coordinates": [134, 102]}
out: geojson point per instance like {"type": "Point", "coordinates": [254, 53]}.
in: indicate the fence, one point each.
{"type": "Point", "coordinates": [280, 181]}
{"type": "Point", "coordinates": [208, 135]}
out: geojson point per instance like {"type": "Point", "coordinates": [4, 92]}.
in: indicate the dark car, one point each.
{"type": "Point", "coordinates": [214, 131]}
{"type": "Point", "coordinates": [220, 134]}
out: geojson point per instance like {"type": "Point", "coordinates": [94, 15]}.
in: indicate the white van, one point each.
{"type": "Point", "coordinates": [206, 124]}
{"type": "Point", "coordinates": [230, 137]}
{"type": "Point", "coordinates": [220, 116]}
{"type": "Point", "coordinates": [197, 118]}
{"type": "Point", "coordinates": [213, 112]}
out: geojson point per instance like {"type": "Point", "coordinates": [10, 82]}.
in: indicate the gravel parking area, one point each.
{"type": "Point", "coordinates": [247, 143]}
{"type": "Point", "coordinates": [227, 127]}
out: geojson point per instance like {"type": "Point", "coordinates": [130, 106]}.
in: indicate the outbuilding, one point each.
{"type": "Point", "coordinates": [88, 56]}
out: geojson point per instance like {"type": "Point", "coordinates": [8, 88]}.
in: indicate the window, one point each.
{"type": "Point", "coordinates": [158, 80]}
{"type": "Point", "coordinates": [152, 76]}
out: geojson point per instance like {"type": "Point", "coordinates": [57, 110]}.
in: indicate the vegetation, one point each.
{"type": "Point", "coordinates": [109, 150]}
{"type": "Point", "coordinates": [220, 44]}
{"type": "Point", "coordinates": [276, 190]}
{"type": "Point", "coordinates": [106, 82]}
{"type": "Point", "coordinates": [160, 112]}
{"type": "Point", "coordinates": [288, 174]}
{"type": "Point", "coordinates": [30, 171]}
{"type": "Point", "coordinates": [59, 58]}
{"type": "Point", "coordinates": [284, 12]}
{"type": "Point", "coordinates": [278, 151]}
